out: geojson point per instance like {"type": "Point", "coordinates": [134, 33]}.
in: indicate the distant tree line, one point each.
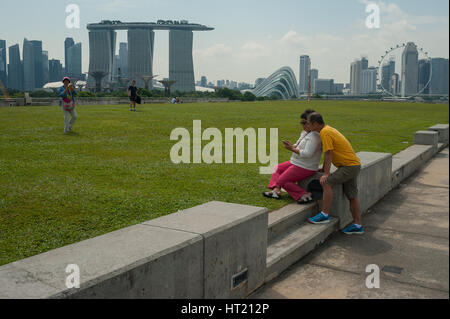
{"type": "Point", "coordinates": [224, 93]}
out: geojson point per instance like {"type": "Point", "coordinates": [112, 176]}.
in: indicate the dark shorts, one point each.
{"type": "Point", "coordinates": [348, 176]}
{"type": "Point", "coordinates": [133, 98]}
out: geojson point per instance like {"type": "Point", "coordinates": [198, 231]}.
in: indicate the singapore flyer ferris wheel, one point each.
{"type": "Point", "coordinates": [391, 86]}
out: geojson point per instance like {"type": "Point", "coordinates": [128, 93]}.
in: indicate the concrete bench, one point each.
{"type": "Point", "coordinates": [215, 250]}
{"type": "Point", "coordinates": [426, 138]}
{"type": "Point", "coordinates": [374, 182]}
{"type": "Point", "coordinates": [443, 131]}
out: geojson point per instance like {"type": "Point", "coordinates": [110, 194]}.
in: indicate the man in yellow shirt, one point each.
{"type": "Point", "coordinates": [337, 150]}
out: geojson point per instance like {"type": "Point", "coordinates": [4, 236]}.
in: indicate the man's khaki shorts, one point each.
{"type": "Point", "coordinates": [348, 176]}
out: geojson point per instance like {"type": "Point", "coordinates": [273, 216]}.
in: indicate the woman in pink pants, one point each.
{"type": "Point", "coordinates": [304, 163]}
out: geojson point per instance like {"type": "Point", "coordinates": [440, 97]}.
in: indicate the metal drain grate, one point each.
{"type": "Point", "coordinates": [392, 269]}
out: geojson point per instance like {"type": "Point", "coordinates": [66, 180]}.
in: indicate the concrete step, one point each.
{"type": "Point", "coordinates": [293, 214]}
{"type": "Point", "coordinates": [294, 244]}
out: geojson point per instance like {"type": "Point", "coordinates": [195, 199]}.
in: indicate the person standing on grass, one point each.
{"type": "Point", "coordinates": [67, 102]}
{"type": "Point", "coordinates": [304, 163]}
{"type": "Point", "coordinates": [337, 150]}
{"type": "Point", "coordinates": [132, 93]}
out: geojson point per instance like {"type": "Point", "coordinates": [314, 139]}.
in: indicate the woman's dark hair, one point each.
{"type": "Point", "coordinates": [307, 113]}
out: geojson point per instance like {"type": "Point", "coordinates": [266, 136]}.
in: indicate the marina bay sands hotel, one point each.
{"type": "Point", "coordinates": [141, 36]}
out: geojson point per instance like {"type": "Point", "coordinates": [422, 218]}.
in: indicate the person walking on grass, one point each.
{"type": "Point", "coordinates": [337, 150]}
{"type": "Point", "coordinates": [132, 93]}
{"type": "Point", "coordinates": [67, 102]}
{"type": "Point", "coordinates": [304, 163]}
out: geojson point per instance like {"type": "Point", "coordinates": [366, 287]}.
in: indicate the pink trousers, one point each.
{"type": "Point", "coordinates": [287, 176]}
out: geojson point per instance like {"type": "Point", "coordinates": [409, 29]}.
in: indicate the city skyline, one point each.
{"type": "Point", "coordinates": [251, 46]}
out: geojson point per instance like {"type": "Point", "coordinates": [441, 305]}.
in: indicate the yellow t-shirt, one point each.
{"type": "Point", "coordinates": [343, 153]}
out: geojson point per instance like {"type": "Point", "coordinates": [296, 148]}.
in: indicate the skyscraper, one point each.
{"type": "Point", "coordinates": [3, 70]}
{"type": "Point", "coordinates": [123, 58]}
{"type": "Point", "coordinates": [181, 62]}
{"type": "Point", "coordinates": [439, 77]}
{"type": "Point", "coordinates": [387, 70]}
{"type": "Point", "coordinates": [204, 81]}
{"type": "Point", "coordinates": [314, 76]}
{"type": "Point", "coordinates": [116, 66]}
{"type": "Point", "coordinates": [45, 67]}
{"type": "Point", "coordinates": [140, 55]}
{"type": "Point", "coordinates": [356, 77]}
{"type": "Point", "coordinates": [68, 43]}
{"type": "Point", "coordinates": [74, 66]}
{"type": "Point", "coordinates": [410, 70]}
{"type": "Point", "coordinates": [369, 81]}
{"type": "Point", "coordinates": [55, 70]}
{"type": "Point", "coordinates": [395, 84]}
{"type": "Point", "coordinates": [15, 69]}
{"type": "Point", "coordinates": [305, 68]}
{"type": "Point", "coordinates": [424, 76]}
{"type": "Point", "coordinates": [102, 44]}
{"type": "Point", "coordinates": [32, 65]}
{"type": "Point", "coordinates": [364, 63]}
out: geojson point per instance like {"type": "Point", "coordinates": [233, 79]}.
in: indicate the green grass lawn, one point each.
{"type": "Point", "coordinates": [116, 171]}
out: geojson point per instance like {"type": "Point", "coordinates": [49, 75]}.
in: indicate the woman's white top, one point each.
{"type": "Point", "coordinates": [310, 147]}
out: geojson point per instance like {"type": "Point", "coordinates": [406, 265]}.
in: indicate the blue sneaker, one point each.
{"type": "Point", "coordinates": [353, 230]}
{"type": "Point", "coordinates": [319, 219]}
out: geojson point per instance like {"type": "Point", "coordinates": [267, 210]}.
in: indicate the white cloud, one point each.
{"type": "Point", "coordinates": [331, 53]}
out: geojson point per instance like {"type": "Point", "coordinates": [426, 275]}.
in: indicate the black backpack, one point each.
{"type": "Point", "coordinates": [138, 99]}
{"type": "Point", "coordinates": [315, 189]}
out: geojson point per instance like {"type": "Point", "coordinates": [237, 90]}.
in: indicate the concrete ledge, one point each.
{"type": "Point", "coordinates": [134, 262]}
{"type": "Point", "coordinates": [235, 240]}
{"type": "Point", "coordinates": [191, 254]}
{"type": "Point", "coordinates": [443, 131]}
{"type": "Point", "coordinates": [375, 179]}
{"type": "Point", "coordinates": [426, 138]}
{"type": "Point", "coordinates": [374, 183]}
{"type": "Point", "coordinates": [409, 160]}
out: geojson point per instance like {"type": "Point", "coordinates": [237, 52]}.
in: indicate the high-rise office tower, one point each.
{"type": "Point", "coordinates": [439, 77]}
{"type": "Point", "coordinates": [410, 70]}
{"type": "Point", "coordinates": [74, 68]}
{"type": "Point", "coordinates": [15, 69]}
{"type": "Point", "coordinates": [424, 76]}
{"type": "Point", "coordinates": [33, 70]}
{"type": "Point", "coordinates": [305, 68]}
{"type": "Point", "coordinates": [45, 67]}
{"type": "Point", "coordinates": [68, 43]}
{"type": "Point", "coordinates": [369, 81]}
{"type": "Point", "coordinates": [356, 77]}
{"type": "Point", "coordinates": [395, 84]}
{"type": "Point", "coordinates": [102, 44]}
{"type": "Point", "coordinates": [314, 76]}
{"type": "Point", "coordinates": [387, 70]}
{"type": "Point", "coordinates": [3, 70]}
{"type": "Point", "coordinates": [181, 63]}
{"type": "Point", "coordinates": [204, 81]}
{"type": "Point", "coordinates": [364, 63]}
{"type": "Point", "coordinates": [55, 70]}
{"type": "Point", "coordinates": [140, 55]}
{"type": "Point", "coordinates": [116, 67]}
{"type": "Point", "coordinates": [123, 58]}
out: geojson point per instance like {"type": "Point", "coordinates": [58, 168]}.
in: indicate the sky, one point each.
{"type": "Point", "coordinates": [252, 38]}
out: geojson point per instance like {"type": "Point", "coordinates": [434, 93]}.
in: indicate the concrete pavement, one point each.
{"type": "Point", "coordinates": [407, 237]}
